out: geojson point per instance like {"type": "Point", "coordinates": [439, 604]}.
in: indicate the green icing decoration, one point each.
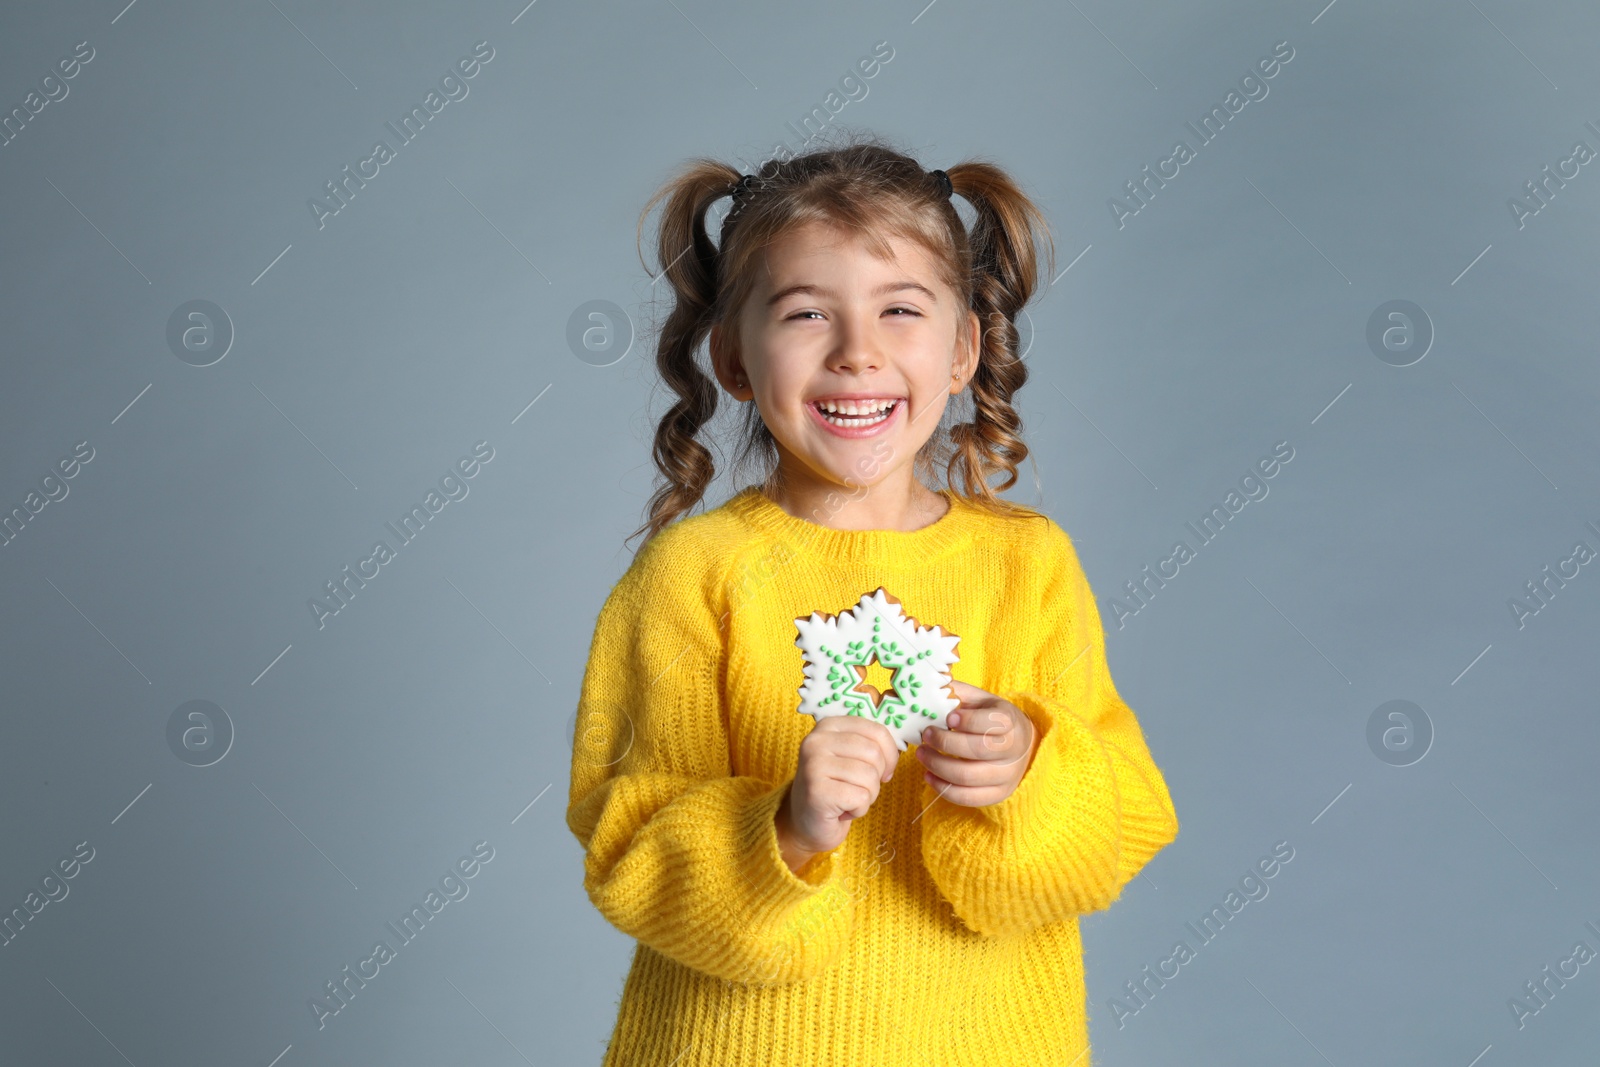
{"type": "Point", "coordinates": [843, 679]}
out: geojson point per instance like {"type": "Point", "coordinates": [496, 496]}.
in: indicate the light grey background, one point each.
{"type": "Point", "coordinates": [435, 710]}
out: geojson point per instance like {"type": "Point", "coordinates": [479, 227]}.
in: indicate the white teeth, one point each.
{"type": "Point", "coordinates": [856, 413]}
{"type": "Point", "coordinates": [855, 407]}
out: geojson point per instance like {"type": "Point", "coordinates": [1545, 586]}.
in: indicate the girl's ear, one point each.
{"type": "Point", "coordinates": [971, 350]}
{"type": "Point", "coordinates": [725, 363]}
{"type": "Point", "coordinates": [717, 346]}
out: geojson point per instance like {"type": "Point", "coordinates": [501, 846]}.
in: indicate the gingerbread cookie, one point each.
{"type": "Point", "coordinates": [838, 649]}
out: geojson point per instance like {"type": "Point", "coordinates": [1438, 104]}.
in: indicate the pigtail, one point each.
{"type": "Point", "coordinates": [691, 264]}
{"type": "Point", "coordinates": [1005, 276]}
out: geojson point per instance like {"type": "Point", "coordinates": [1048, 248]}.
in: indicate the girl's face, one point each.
{"type": "Point", "coordinates": [850, 359]}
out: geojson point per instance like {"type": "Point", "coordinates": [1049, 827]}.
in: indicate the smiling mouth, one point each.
{"type": "Point", "coordinates": [858, 413]}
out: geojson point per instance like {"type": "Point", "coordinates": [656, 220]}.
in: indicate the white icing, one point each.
{"type": "Point", "coordinates": [876, 628]}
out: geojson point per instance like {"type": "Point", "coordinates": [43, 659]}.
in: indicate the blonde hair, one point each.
{"type": "Point", "coordinates": [869, 189]}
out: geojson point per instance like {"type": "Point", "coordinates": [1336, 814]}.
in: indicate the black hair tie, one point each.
{"type": "Point", "coordinates": [742, 188]}
{"type": "Point", "coordinates": [740, 192]}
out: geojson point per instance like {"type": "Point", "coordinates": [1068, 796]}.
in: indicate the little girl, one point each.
{"type": "Point", "coordinates": [800, 894]}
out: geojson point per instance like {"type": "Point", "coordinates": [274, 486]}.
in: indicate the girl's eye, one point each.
{"type": "Point", "coordinates": [812, 311]}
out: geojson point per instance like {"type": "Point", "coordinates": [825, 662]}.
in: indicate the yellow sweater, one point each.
{"type": "Point", "coordinates": [936, 934]}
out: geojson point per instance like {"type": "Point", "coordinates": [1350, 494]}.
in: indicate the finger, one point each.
{"type": "Point", "coordinates": [853, 797]}
{"type": "Point", "coordinates": [967, 796]}
{"type": "Point", "coordinates": [874, 746]}
{"type": "Point", "coordinates": [963, 772]}
{"type": "Point", "coordinates": [991, 733]}
{"type": "Point", "coordinates": [985, 735]}
{"type": "Point", "coordinates": [891, 751]}
{"type": "Point", "coordinates": [866, 744]}
{"type": "Point", "coordinates": [971, 700]}
{"type": "Point", "coordinates": [881, 736]}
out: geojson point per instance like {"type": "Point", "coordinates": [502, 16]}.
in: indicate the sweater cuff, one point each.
{"type": "Point", "coordinates": [803, 920]}
{"type": "Point", "coordinates": [1038, 806]}
{"type": "Point", "coordinates": [774, 886]}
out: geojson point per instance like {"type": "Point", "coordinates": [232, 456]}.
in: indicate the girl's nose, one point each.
{"type": "Point", "coordinates": [856, 352]}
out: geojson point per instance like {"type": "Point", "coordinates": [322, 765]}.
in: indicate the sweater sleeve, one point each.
{"type": "Point", "coordinates": [679, 852]}
{"type": "Point", "coordinates": [1091, 810]}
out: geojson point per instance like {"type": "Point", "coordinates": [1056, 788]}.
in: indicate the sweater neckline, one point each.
{"type": "Point", "coordinates": [955, 527]}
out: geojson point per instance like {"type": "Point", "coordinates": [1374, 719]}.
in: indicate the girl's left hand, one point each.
{"type": "Point", "coordinates": [981, 759]}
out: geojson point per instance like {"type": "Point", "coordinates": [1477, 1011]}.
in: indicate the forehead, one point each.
{"type": "Point", "coordinates": [817, 246]}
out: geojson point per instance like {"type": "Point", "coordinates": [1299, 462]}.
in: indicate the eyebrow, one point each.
{"type": "Point", "coordinates": [882, 290]}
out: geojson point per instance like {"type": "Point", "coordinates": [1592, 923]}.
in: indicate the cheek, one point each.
{"type": "Point", "coordinates": [785, 377]}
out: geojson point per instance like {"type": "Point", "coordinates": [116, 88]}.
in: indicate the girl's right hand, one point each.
{"type": "Point", "coordinates": [844, 761]}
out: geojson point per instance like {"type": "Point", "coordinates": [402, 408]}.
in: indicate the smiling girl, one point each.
{"type": "Point", "coordinates": [795, 899]}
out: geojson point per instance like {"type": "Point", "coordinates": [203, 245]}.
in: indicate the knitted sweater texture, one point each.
{"type": "Point", "coordinates": [937, 934]}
